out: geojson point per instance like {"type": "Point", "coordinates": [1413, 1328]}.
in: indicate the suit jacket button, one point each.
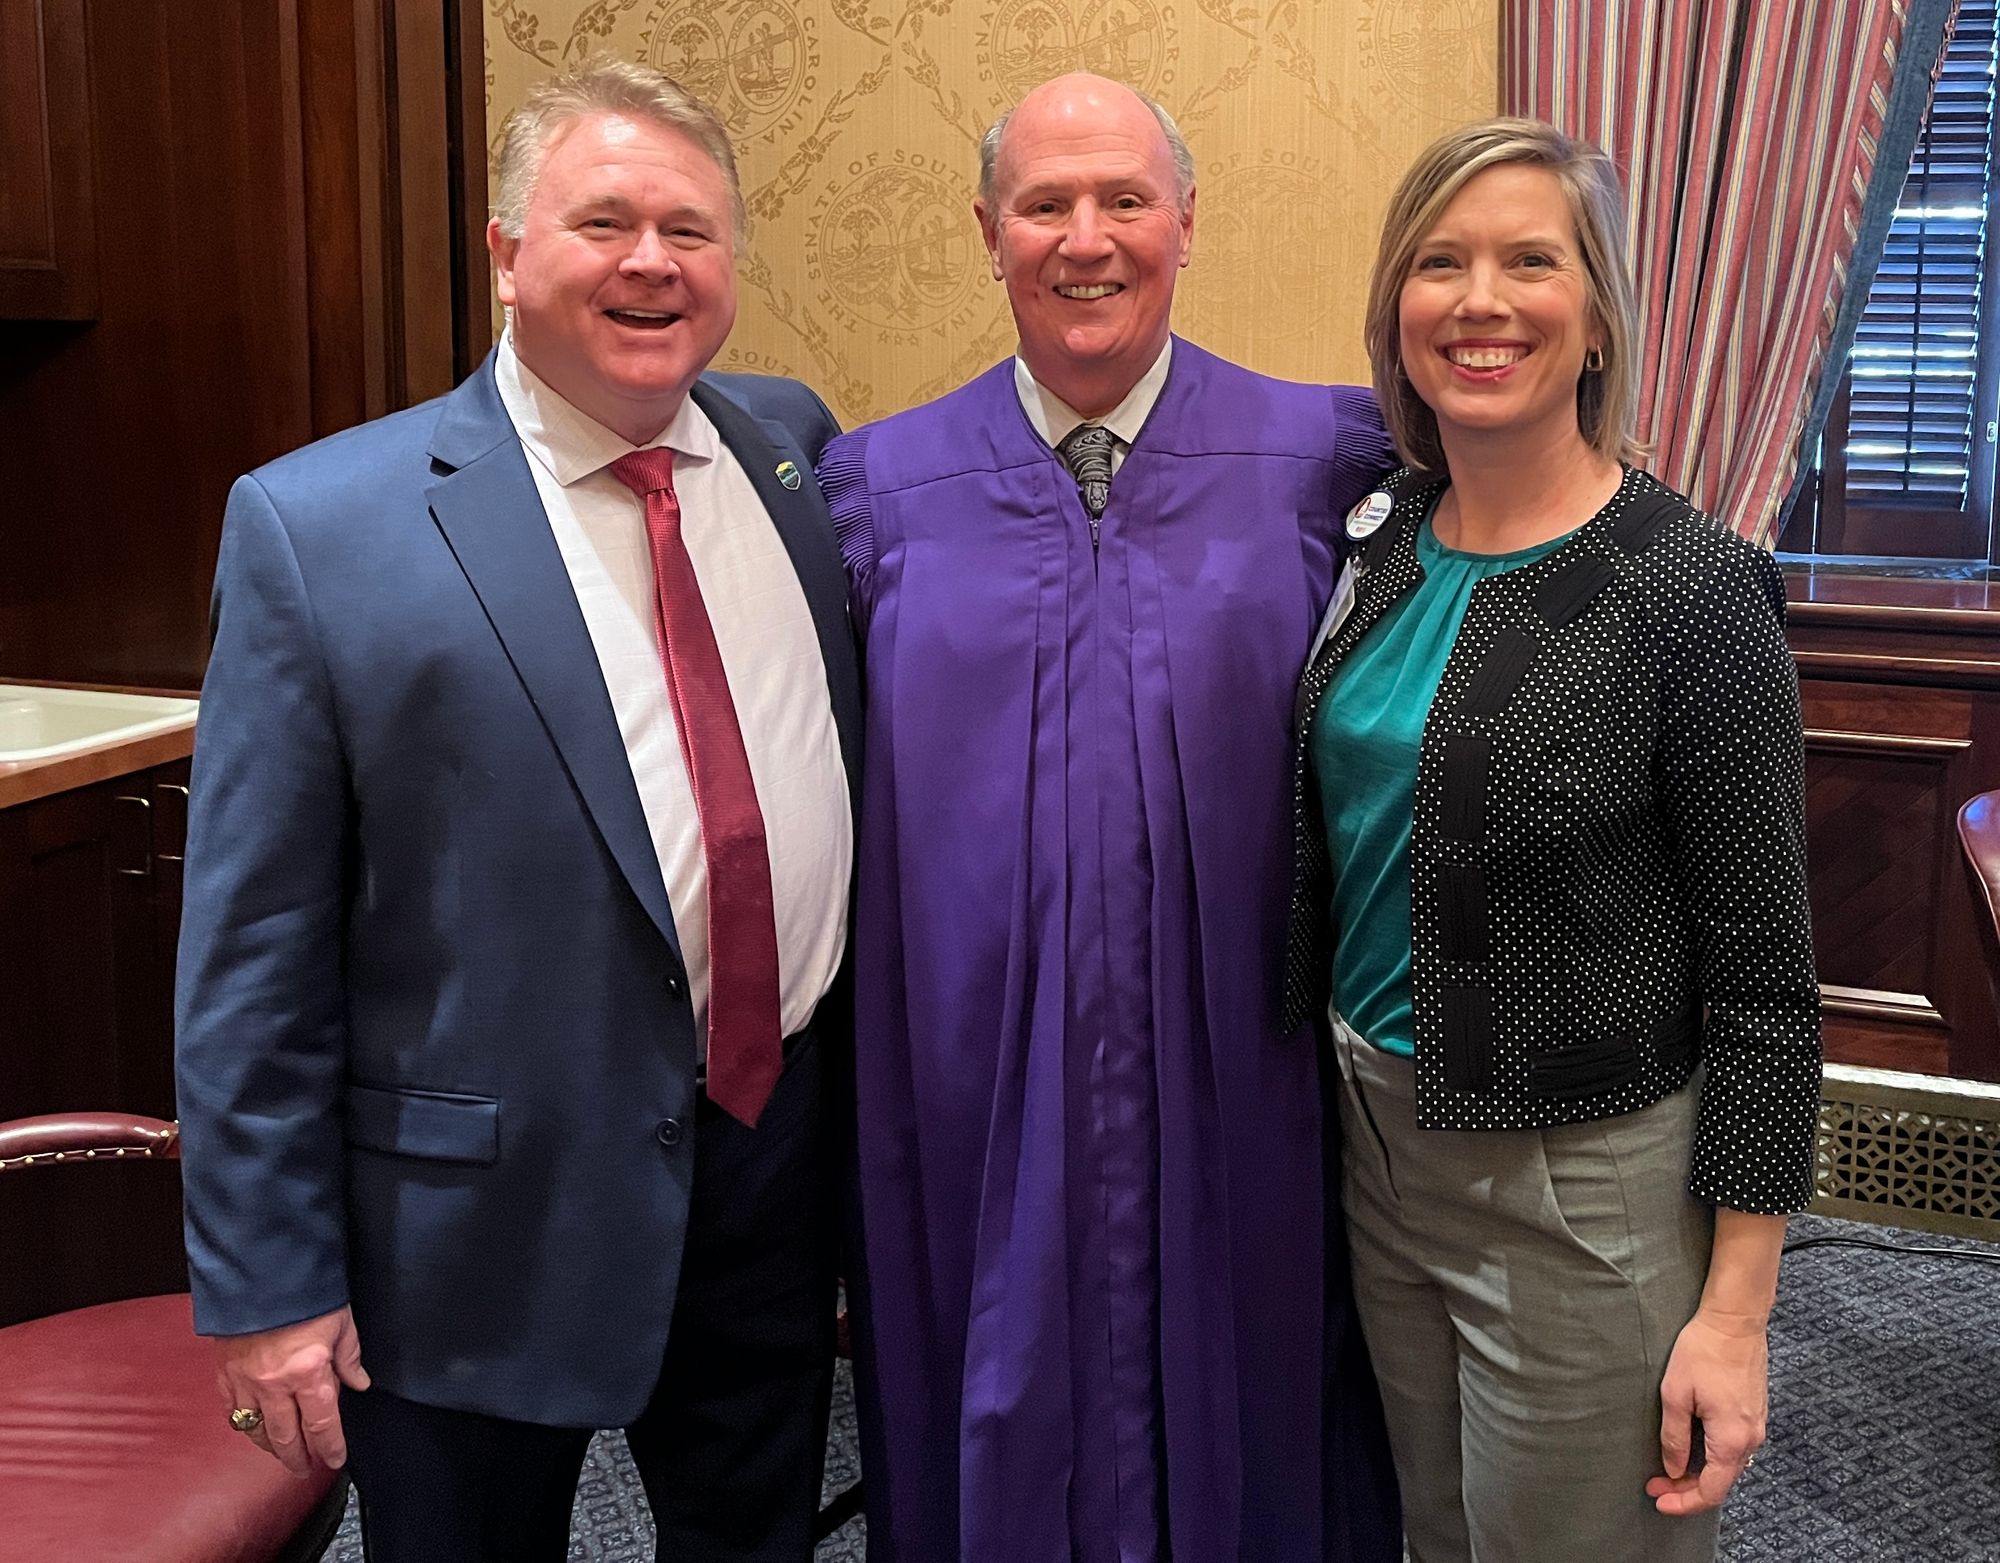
{"type": "Point", "coordinates": [668, 1131]}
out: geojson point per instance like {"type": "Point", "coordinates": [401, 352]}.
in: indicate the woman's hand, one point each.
{"type": "Point", "coordinates": [1719, 1372]}
{"type": "Point", "coordinates": [1720, 1368]}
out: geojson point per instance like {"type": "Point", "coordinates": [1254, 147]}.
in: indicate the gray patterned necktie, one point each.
{"type": "Point", "coordinates": [1086, 451]}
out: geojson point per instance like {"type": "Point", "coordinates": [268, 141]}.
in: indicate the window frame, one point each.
{"type": "Point", "coordinates": [1825, 527]}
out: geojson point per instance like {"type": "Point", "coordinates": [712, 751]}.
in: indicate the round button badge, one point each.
{"type": "Point", "coordinates": [1366, 517]}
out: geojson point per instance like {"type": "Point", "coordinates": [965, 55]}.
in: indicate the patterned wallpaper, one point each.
{"type": "Point", "coordinates": [857, 125]}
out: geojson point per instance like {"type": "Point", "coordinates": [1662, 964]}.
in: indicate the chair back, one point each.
{"type": "Point", "coordinates": [1979, 835]}
{"type": "Point", "coordinates": [55, 1138]}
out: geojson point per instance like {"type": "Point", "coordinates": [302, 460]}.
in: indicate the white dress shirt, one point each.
{"type": "Point", "coordinates": [770, 652]}
{"type": "Point", "coordinates": [1054, 418]}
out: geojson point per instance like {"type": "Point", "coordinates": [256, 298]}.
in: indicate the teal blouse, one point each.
{"type": "Point", "coordinates": [1365, 739]}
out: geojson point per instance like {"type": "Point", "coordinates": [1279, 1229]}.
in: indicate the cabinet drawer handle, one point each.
{"type": "Point", "coordinates": [145, 870]}
{"type": "Point", "coordinates": [171, 857]}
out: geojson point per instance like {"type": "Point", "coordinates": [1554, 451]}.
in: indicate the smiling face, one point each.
{"type": "Point", "coordinates": [1495, 314]}
{"type": "Point", "coordinates": [623, 280]}
{"type": "Point", "coordinates": [1087, 230]}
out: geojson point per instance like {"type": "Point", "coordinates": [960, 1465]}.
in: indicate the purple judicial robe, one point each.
{"type": "Point", "coordinates": [1090, 1160]}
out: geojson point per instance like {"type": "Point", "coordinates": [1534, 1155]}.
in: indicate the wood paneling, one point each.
{"type": "Point", "coordinates": [27, 219]}
{"type": "Point", "coordinates": [123, 436]}
{"type": "Point", "coordinates": [279, 187]}
{"type": "Point", "coordinates": [1882, 1044]}
{"type": "Point", "coordinates": [253, 177]}
{"type": "Point", "coordinates": [48, 238]}
{"type": "Point", "coordinates": [1902, 709]}
{"type": "Point", "coordinates": [1878, 825]}
{"type": "Point", "coordinates": [419, 88]}
{"type": "Point", "coordinates": [472, 288]}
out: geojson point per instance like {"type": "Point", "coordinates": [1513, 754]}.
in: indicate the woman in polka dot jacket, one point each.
{"type": "Point", "coordinates": [1552, 875]}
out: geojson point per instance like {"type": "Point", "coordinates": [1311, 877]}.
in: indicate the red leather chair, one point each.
{"type": "Point", "coordinates": [1979, 835]}
{"type": "Point", "coordinates": [114, 1447]}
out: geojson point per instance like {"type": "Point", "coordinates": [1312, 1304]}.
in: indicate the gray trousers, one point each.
{"type": "Point", "coordinates": [1520, 1291]}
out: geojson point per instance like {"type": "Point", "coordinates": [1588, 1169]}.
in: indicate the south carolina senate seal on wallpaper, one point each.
{"type": "Point", "coordinates": [1028, 41]}
{"type": "Point", "coordinates": [892, 245]}
{"type": "Point", "coordinates": [756, 61]}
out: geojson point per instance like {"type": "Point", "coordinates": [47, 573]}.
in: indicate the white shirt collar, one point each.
{"type": "Point", "coordinates": [1054, 418]}
{"type": "Point", "coordinates": [569, 443]}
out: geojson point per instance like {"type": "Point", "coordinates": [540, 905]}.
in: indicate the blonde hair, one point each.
{"type": "Point", "coordinates": [1607, 398]}
{"type": "Point", "coordinates": [603, 85]}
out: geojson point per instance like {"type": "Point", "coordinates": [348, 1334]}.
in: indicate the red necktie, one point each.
{"type": "Point", "coordinates": [745, 1045]}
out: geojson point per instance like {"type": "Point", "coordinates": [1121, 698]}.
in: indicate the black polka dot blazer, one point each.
{"type": "Point", "coordinates": [1607, 865]}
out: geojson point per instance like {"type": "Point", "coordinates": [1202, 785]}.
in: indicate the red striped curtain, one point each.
{"type": "Point", "coordinates": [1746, 131]}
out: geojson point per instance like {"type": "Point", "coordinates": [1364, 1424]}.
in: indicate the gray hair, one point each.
{"type": "Point", "coordinates": [989, 151]}
{"type": "Point", "coordinates": [603, 85]}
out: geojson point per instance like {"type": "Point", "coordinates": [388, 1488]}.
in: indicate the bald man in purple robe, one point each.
{"type": "Point", "coordinates": [1099, 1324]}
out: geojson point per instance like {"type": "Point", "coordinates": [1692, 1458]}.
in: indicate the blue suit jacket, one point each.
{"type": "Point", "coordinates": [431, 1009]}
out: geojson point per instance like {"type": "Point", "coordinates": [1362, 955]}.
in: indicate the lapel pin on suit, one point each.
{"type": "Point", "coordinates": [788, 474]}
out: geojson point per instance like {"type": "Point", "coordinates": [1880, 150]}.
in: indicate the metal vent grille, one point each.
{"type": "Point", "coordinates": [1910, 1150]}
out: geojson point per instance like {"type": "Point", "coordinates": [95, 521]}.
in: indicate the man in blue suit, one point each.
{"type": "Point", "coordinates": [518, 874]}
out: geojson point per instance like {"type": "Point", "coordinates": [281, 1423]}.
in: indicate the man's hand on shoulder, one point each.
{"type": "Point", "coordinates": [293, 1375]}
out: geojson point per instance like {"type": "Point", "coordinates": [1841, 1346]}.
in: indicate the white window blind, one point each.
{"type": "Point", "coordinates": [1915, 361]}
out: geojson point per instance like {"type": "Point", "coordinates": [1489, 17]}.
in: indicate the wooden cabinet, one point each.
{"type": "Point", "coordinates": [48, 230]}
{"type": "Point", "coordinates": [1900, 682]}
{"type": "Point", "coordinates": [270, 212]}
{"type": "Point", "coordinates": [90, 889]}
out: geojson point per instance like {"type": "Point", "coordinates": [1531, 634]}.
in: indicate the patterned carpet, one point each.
{"type": "Point", "coordinates": [1885, 1433]}
{"type": "Point", "coordinates": [1885, 1409]}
